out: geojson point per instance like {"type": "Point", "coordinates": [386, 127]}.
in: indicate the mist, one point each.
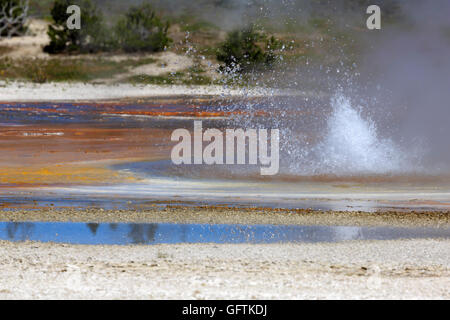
{"type": "Point", "coordinates": [408, 69]}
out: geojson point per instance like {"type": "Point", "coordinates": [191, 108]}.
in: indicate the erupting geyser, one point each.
{"type": "Point", "coordinates": [352, 144]}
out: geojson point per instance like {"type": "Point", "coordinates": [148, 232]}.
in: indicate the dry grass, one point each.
{"type": "Point", "coordinates": [57, 69]}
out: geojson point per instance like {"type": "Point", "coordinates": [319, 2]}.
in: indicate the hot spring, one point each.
{"type": "Point", "coordinates": [334, 153]}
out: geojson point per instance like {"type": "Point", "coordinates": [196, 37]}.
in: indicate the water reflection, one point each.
{"type": "Point", "coordinates": [19, 231]}
{"type": "Point", "coordinates": [93, 227]}
{"type": "Point", "coordinates": [142, 233]}
{"type": "Point", "coordinates": [152, 233]}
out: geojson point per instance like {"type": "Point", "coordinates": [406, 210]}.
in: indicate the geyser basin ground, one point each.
{"type": "Point", "coordinates": [101, 168]}
{"type": "Point", "coordinates": [116, 154]}
{"type": "Point", "coordinates": [398, 269]}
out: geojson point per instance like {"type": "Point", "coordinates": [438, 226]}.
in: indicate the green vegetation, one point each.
{"type": "Point", "coordinates": [189, 23]}
{"type": "Point", "coordinates": [41, 9]}
{"type": "Point", "coordinates": [172, 78]}
{"type": "Point", "coordinates": [142, 30]}
{"type": "Point", "coordinates": [247, 49]}
{"type": "Point", "coordinates": [90, 38]}
{"type": "Point", "coordinates": [45, 70]}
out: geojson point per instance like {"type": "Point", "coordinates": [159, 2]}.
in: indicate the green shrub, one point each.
{"type": "Point", "coordinates": [18, 16]}
{"type": "Point", "coordinates": [246, 50]}
{"type": "Point", "coordinates": [91, 37]}
{"type": "Point", "coordinates": [142, 30]}
{"type": "Point", "coordinates": [139, 30]}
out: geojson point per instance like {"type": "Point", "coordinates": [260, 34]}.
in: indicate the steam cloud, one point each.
{"type": "Point", "coordinates": [409, 67]}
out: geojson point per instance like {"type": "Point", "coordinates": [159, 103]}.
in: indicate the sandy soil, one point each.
{"type": "Point", "coordinates": [20, 91]}
{"type": "Point", "coordinates": [232, 215]}
{"type": "Point", "coordinates": [30, 45]}
{"type": "Point", "coordinates": [407, 269]}
{"type": "Point", "coordinates": [166, 63]}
